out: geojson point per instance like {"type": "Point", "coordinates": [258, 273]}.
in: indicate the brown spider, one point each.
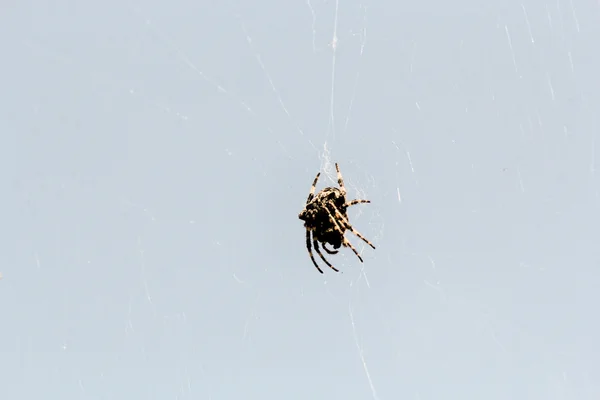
{"type": "Point", "coordinates": [325, 215]}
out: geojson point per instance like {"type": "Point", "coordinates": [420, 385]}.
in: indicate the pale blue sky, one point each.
{"type": "Point", "coordinates": [157, 154]}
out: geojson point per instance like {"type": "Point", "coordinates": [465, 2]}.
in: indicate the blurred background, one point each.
{"type": "Point", "coordinates": [156, 156]}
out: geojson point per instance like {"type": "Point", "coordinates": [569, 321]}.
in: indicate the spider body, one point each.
{"type": "Point", "coordinates": [326, 220]}
{"type": "Point", "coordinates": [316, 217]}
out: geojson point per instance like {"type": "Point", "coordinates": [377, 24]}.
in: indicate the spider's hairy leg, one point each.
{"type": "Point", "coordinates": [335, 222]}
{"type": "Point", "coordinates": [345, 242]}
{"type": "Point", "coordinates": [351, 228]}
{"type": "Point", "coordinates": [353, 202]}
{"type": "Point", "coordinates": [316, 244]}
{"type": "Point", "coordinates": [348, 244]}
{"type": "Point", "coordinates": [340, 179]}
{"type": "Point", "coordinates": [312, 188]}
{"type": "Point", "coordinates": [329, 251]}
{"type": "Point", "coordinates": [310, 251]}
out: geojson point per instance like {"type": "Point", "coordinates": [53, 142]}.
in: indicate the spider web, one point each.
{"type": "Point", "coordinates": [353, 38]}
{"type": "Point", "coordinates": [156, 251]}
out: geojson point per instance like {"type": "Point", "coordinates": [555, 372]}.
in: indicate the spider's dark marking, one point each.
{"type": "Point", "coordinates": [325, 217]}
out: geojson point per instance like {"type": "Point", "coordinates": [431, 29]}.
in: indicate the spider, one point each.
{"type": "Point", "coordinates": [325, 216]}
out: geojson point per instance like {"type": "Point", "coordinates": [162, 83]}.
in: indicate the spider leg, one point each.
{"type": "Point", "coordinates": [316, 244]}
{"type": "Point", "coordinates": [310, 251]}
{"type": "Point", "coordinates": [312, 188]}
{"type": "Point", "coordinates": [351, 228]}
{"type": "Point", "coordinates": [340, 179]}
{"type": "Point", "coordinates": [353, 202]}
{"type": "Point", "coordinates": [329, 251]}
{"type": "Point", "coordinates": [346, 243]}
